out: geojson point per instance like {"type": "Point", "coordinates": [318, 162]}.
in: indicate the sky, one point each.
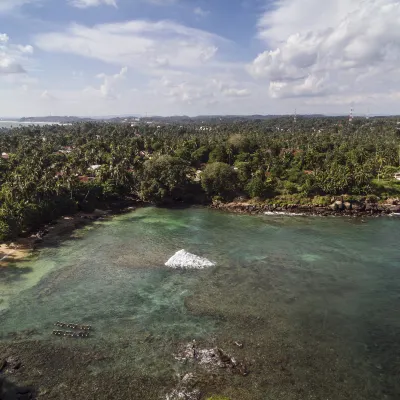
{"type": "Point", "coordinates": [196, 57]}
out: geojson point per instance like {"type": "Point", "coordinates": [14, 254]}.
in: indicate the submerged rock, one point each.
{"type": "Point", "coordinates": [183, 259]}
{"type": "Point", "coordinates": [211, 358]}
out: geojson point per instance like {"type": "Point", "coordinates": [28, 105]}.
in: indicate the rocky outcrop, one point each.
{"type": "Point", "coordinates": [211, 358]}
{"type": "Point", "coordinates": [338, 207]}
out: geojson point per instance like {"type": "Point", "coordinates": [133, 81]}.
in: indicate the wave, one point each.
{"type": "Point", "coordinates": [185, 260]}
{"type": "Point", "coordinates": [284, 213]}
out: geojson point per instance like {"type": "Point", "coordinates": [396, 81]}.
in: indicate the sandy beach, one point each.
{"type": "Point", "coordinates": [23, 247]}
{"type": "Point", "coordinates": [13, 252]}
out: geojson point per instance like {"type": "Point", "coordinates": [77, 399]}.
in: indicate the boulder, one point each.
{"type": "Point", "coordinates": [392, 202]}
{"type": "Point", "coordinates": [340, 205]}
{"type": "Point", "coordinates": [371, 207]}
{"type": "Point", "coordinates": [334, 207]}
{"type": "Point", "coordinates": [355, 206]}
{"type": "Point", "coordinates": [347, 205]}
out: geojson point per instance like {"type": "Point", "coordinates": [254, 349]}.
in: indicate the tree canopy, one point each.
{"type": "Point", "coordinates": [49, 171]}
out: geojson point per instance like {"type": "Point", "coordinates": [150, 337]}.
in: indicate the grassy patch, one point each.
{"type": "Point", "coordinates": [386, 187]}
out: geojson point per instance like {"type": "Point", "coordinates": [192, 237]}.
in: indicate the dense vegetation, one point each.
{"type": "Point", "coordinates": [53, 170]}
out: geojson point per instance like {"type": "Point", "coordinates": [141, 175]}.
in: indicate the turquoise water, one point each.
{"type": "Point", "coordinates": [315, 301]}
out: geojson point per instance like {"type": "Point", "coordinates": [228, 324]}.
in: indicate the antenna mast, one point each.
{"type": "Point", "coordinates": [351, 116]}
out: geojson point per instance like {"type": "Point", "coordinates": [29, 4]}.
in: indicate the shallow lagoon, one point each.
{"type": "Point", "coordinates": [315, 302]}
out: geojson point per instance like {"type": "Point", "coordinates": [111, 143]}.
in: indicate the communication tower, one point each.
{"type": "Point", "coordinates": [351, 114]}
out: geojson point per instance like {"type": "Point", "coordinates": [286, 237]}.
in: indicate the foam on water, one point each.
{"type": "Point", "coordinates": [183, 259]}
{"type": "Point", "coordinates": [282, 213]}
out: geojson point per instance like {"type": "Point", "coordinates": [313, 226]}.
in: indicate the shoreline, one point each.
{"type": "Point", "coordinates": [337, 209]}
{"type": "Point", "coordinates": [57, 230]}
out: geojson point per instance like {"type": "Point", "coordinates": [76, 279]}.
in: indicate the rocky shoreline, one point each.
{"type": "Point", "coordinates": [339, 207]}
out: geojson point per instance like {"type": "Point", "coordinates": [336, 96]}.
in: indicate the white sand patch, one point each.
{"type": "Point", "coordinates": [183, 259]}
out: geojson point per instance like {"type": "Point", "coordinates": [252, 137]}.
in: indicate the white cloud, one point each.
{"type": "Point", "coordinates": [92, 3]}
{"type": "Point", "coordinates": [232, 92]}
{"type": "Point", "coordinates": [12, 56]}
{"type": "Point", "coordinates": [200, 12]}
{"type": "Point", "coordinates": [173, 66]}
{"type": "Point", "coordinates": [329, 47]}
{"type": "Point", "coordinates": [110, 83]}
{"type": "Point", "coordinates": [138, 43]}
{"type": "Point", "coordinates": [226, 88]}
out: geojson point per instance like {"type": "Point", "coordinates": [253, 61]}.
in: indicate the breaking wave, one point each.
{"type": "Point", "coordinates": [282, 213]}
{"type": "Point", "coordinates": [185, 260]}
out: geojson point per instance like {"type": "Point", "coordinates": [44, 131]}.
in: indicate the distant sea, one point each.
{"type": "Point", "coordinates": [10, 124]}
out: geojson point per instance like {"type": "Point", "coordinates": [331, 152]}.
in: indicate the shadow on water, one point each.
{"type": "Point", "coordinates": [11, 391]}
{"type": "Point", "coordinates": [13, 273]}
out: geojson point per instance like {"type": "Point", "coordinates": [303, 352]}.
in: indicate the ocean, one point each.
{"type": "Point", "coordinates": [311, 303]}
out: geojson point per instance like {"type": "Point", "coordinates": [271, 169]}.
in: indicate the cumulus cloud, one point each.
{"type": "Point", "coordinates": [138, 43]}
{"type": "Point", "coordinates": [92, 3]}
{"type": "Point", "coordinates": [226, 88]}
{"type": "Point", "coordinates": [12, 56]}
{"type": "Point", "coordinates": [110, 83]}
{"type": "Point", "coordinates": [110, 88]}
{"type": "Point", "coordinates": [349, 42]}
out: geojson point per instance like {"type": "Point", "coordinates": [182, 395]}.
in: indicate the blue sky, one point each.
{"type": "Point", "coordinates": [110, 57]}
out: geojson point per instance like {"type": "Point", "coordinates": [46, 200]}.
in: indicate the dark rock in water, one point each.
{"type": "Point", "coordinates": [23, 390]}
{"type": "Point", "coordinates": [17, 365]}
{"type": "Point", "coordinates": [24, 393]}
{"type": "Point", "coordinates": [213, 357]}
{"type": "Point", "coordinates": [25, 396]}
{"type": "Point", "coordinates": [11, 364]}
{"type": "Point", "coordinates": [224, 358]}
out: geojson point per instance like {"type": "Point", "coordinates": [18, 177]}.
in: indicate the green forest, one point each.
{"type": "Point", "coordinates": [49, 171]}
